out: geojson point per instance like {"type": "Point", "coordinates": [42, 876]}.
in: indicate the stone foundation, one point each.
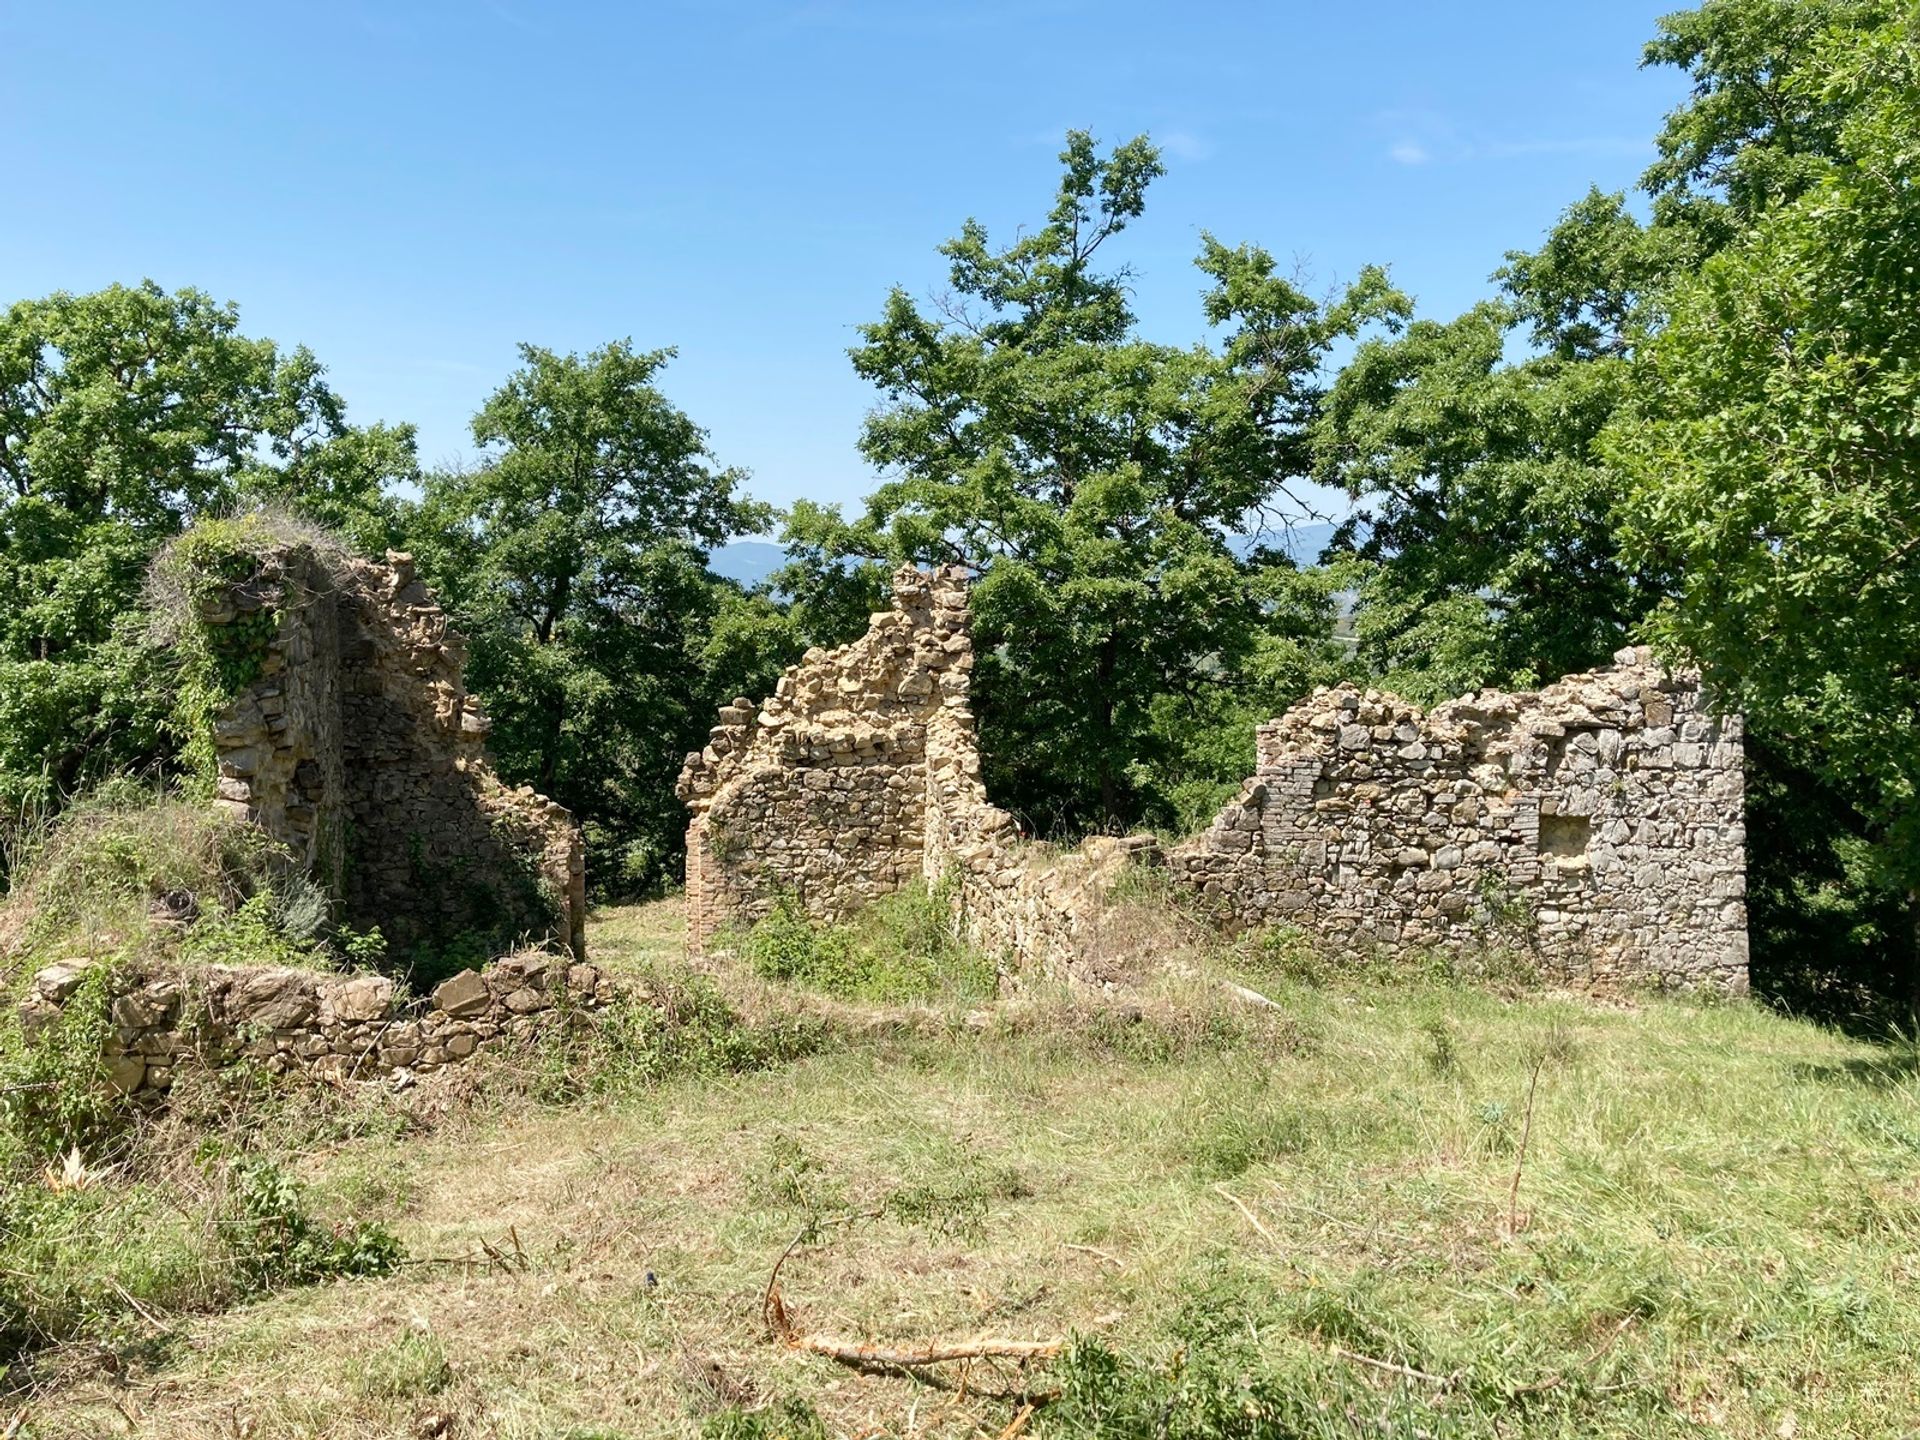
{"type": "Point", "coordinates": [358, 746]}
{"type": "Point", "coordinates": [1596, 825]}
{"type": "Point", "coordinates": [333, 1027]}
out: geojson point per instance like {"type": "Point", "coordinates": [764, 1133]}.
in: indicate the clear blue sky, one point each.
{"type": "Point", "coordinates": [411, 188]}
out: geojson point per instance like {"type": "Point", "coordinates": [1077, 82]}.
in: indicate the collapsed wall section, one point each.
{"type": "Point", "coordinates": [355, 743]}
{"type": "Point", "coordinates": [1598, 824]}
{"type": "Point", "coordinates": [860, 775]}
{"type": "Point", "coordinates": [820, 795]}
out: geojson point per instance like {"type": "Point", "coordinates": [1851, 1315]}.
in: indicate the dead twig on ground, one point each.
{"type": "Point", "coordinates": [1019, 1422]}
{"type": "Point", "coordinates": [1252, 1219]}
{"type": "Point", "coordinates": [864, 1354]}
{"type": "Point", "coordinates": [1553, 1382]}
{"type": "Point", "coordinates": [1393, 1367]}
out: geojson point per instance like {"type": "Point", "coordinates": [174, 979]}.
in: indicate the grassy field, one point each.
{"type": "Point", "coordinates": [1406, 1209]}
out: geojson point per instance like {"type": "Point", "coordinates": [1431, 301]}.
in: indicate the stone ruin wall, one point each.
{"type": "Point", "coordinates": [860, 775]}
{"type": "Point", "coordinates": [332, 1027]}
{"type": "Point", "coordinates": [1596, 826]}
{"type": "Point", "coordinates": [359, 747]}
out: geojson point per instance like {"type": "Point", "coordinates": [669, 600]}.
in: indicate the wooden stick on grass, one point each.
{"type": "Point", "coordinates": [866, 1353]}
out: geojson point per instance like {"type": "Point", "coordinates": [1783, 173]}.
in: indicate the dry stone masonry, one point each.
{"type": "Point", "coordinates": [333, 1027]}
{"type": "Point", "coordinates": [1596, 825]}
{"type": "Point", "coordinates": [861, 775]}
{"type": "Point", "coordinates": [358, 746]}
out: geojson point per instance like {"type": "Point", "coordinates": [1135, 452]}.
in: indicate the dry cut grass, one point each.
{"type": "Point", "coordinates": [1292, 1222]}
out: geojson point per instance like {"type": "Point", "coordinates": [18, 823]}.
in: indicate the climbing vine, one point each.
{"type": "Point", "coordinates": [218, 657]}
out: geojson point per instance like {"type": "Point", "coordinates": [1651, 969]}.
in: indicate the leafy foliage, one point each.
{"type": "Point", "coordinates": [574, 559]}
{"type": "Point", "coordinates": [1090, 477]}
{"type": "Point", "coordinates": [905, 946]}
{"type": "Point", "coordinates": [1774, 452]}
{"type": "Point", "coordinates": [123, 414]}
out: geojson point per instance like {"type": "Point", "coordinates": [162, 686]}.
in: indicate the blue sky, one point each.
{"type": "Point", "coordinates": [412, 188]}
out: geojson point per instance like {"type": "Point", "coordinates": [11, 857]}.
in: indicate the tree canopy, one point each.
{"type": "Point", "coordinates": [1091, 478]}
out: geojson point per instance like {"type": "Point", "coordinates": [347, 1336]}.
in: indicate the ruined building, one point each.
{"type": "Point", "coordinates": [1597, 824]}
{"type": "Point", "coordinates": [356, 744]}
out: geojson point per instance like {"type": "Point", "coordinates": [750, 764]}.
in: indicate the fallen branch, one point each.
{"type": "Point", "coordinates": [907, 1357]}
{"type": "Point", "coordinates": [1018, 1423]}
{"type": "Point", "coordinates": [1395, 1368]}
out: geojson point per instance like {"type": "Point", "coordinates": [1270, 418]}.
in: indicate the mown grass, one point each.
{"type": "Point", "coordinates": [1299, 1222]}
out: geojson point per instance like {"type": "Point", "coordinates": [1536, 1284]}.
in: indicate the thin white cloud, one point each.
{"type": "Point", "coordinates": [1427, 137]}
{"type": "Point", "coordinates": [1185, 145]}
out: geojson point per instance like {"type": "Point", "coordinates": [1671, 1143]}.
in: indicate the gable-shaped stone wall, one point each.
{"type": "Point", "coordinates": [1597, 825]}
{"type": "Point", "coordinates": [358, 746]}
{"type": "Point", "coordinates": [860, 775]}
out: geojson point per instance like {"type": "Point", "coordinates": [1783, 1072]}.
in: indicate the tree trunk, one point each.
{"type": "Point", "coordinates": [1103, 715]}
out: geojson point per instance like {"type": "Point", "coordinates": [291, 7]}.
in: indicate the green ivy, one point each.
{"type": "Point", "coordinates": [218, 660]}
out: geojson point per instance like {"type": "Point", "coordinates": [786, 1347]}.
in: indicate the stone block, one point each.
{"type": "Point", "coordinates": [461, 995]}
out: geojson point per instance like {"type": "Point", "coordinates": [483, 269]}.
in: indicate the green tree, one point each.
{"type": "Point", "coordinates": [1091, 477]}
{"type": "Point", "coordinates": [1484, 518]}
{"type": "Point", "coordinates": [124, 414]}
{"type": "Point", "coordinates": [574, 556]}
{"type": "Point", "coordinates": [1490, 516]}
{"type": "Point", "coordinates": [1773, 447]}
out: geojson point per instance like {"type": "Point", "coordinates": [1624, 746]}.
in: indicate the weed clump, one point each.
{"type": "Point", "coordinates": [663, 1026]}
{"type": "Point", "coordinates": [789, 1418]}
{"type": "Point", "coordinates": [904, 947]}
{"type": "Point", "coordinates": [413, 1367]}
{"type": "Point", "coordinates": [92, 1253]}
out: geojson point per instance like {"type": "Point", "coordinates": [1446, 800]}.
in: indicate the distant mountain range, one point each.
{"type": "Point", "coordinates": [750, 562]}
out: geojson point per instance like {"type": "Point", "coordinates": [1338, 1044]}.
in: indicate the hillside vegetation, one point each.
{"type": "Point", "coordinates": [1242, 1220]}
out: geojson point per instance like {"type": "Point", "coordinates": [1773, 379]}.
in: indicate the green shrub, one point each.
{"type": "Point", "coordinates": [662, 1026]}
{"type": "Point", "coordinates": [54, 1094]}
{"type": "Point", "coordinates": [91, 1257]}
{"type": "Point", "coordinates": [788, 1418]}
{"type": "Point", "coordinates": [273, 1241]}
{"type": "Point", "coordinates": [1230, 1142]}
{"type": "Point", "coordinates": [248, 935]}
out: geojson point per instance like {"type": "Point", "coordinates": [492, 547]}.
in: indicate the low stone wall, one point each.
{"type": "Point", "coordinates": [1597, 825]}
{"type": "Point", "coordinates": [358, 746]}
{"type": "Point", "coordinates": [335, 1027]}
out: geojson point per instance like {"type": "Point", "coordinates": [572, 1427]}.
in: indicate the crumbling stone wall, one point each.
{"type": "Point", "coordinates": [335, 1027]}
{"type": "Point", "coordinates": [358, 746]}
{"type": "Point", "coordinates": [862, 774]}
{"type": "Point", "coordinates": [821, 794]}
{"type": "Point", "coordinates": [1597, 824]}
